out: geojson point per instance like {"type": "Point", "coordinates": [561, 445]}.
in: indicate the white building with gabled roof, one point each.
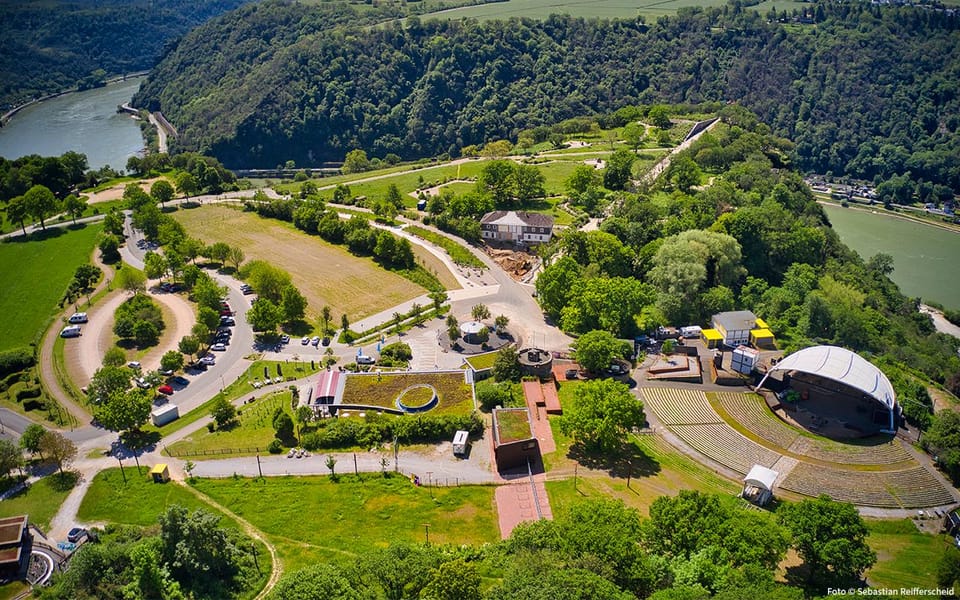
{"type": "Point", "coordinates": [516, 227]}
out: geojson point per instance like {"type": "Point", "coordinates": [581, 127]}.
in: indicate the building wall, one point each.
{"type": "Point", "coordinates": [514, 455]}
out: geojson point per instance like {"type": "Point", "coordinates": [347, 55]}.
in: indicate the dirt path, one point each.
{"type": "Point", "coordinates": [664, 163]}
{"type": "Point", "coordinates": [97, 337]}
{"type": "Point", "coordinates": [116, 192]}
{"type": "Point", "coordinates": [275, 567]}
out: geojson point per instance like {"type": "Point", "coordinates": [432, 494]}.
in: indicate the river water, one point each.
{"type": "Point", "coordinates": [85, 122]}
{"type": "Point", "coordinates": [924, 256]}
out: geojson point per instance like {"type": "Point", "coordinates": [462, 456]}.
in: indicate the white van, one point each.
{"type": "Point", "coordinates": [70, 331]}
{"type": "Point", "coordinates": [363, 359]}
{"type": "Point", "coordinates": [460, 441]}
{"type": "Point", "coordinates": [78, 318]}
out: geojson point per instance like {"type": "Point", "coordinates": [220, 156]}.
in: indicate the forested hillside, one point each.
{"type": "Point", "coordinates": [54, 45]}
{"type": "Point", "coordinates": [868, 90]}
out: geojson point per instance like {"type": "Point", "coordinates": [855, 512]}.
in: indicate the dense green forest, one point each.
{"type": "Point", "coordinates": [867, 90]}
{"type": "Point", "coordinates": [55, 45]}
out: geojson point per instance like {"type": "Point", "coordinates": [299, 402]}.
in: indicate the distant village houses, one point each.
{"type": "Point", "coordinates": [516, 227]}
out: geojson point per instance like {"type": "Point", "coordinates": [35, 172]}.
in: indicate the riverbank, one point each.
{"type": "Point", "coordinates": [874, 210]}
{"type": "Point", "coordinates": [116, 79]}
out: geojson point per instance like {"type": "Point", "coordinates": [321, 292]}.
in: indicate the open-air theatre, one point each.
{"type": "Point", "coordinates": [818, 365]}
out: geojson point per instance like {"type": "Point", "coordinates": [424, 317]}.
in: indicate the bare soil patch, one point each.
{"type": "Point", "coordinates": [326, 274]}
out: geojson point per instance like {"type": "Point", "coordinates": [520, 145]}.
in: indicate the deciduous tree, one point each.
{"type": "Point", "coordinates": [595, 350]}
{"type": "Point", "coordinates": [31, 438]}
{"type": "Point", "coordinates": [125, 410]}
{"type": "Point", "coordinates": [59, 449]}
{"type": "Point", "coordinates": [41, 203]}
{"type": "Point", "coordinates": [602, 412]}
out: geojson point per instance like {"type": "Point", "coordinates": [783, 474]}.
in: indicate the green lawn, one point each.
{"type": "Point", "coordinates": [458, 253]}
{"type": "Point", "coordinates": [480, 362]}
{"type": "Point", "coordinates": [36, 272]}
{"type": "Point", "coordinates": [41, 500]}
{"type": "Point", "coordinates": [905, 557]}
{"type": "Point", "coordinates": [513, 425]}
{"type": "Point", "coordinates": [455, 395]}
{"type": "Point", "coordinates": [139, 501]}
{"type": "Point", "coordinates": [315, 517]}
{"type": "Point", "coordinates": [253, 432]}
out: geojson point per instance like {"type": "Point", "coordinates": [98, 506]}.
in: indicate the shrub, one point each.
{"type": "Point", "coordinates": [275, 447]}
{"type": "Point", "coordinates": [490, 396]}
{"type": "Point", "coordinates": [15, 360]}
{"type": "Point", "coordinates": [28, 392]}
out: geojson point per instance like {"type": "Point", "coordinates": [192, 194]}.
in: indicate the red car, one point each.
{"type": "Point", "coordinates": [166, 390]}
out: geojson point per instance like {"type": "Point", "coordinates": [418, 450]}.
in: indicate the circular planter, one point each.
{"type": "Point", "coordinates": [411, 400]}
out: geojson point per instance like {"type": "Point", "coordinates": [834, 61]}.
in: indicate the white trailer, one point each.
{"type": "Point", "coordinates": [460, 443]}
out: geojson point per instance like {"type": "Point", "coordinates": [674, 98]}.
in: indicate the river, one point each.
{"type": "Point", "coordinates": [924, 256]}
{"type": "Point", "coordinates": [85, 122]}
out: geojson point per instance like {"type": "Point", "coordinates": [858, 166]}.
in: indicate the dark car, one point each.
{"type": "Point", "coordinates": [76, 534]}
{"type": "Point", "coordinates": [571, 373]}
{"type": "Point", "coordinates": [180, 380]}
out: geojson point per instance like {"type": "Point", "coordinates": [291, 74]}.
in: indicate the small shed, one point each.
{"type": "Point", "coordinates": [422, 204]}
{"type": "Point", "coordinates": [762, 338]}
{"type": "Point", "coordinates": [513, 441]}
{"type": "Point", "coordinates": [164, 414]}
{"type": "Point", "coordinates": [711, 338]}
{"type": "Point", "coordinates": [758, 485]}
{"type": "Point", "coordinates": [160, 473]}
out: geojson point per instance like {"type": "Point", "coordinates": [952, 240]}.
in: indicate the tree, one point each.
{"type": "Point", "coordinates": [189, 345]}
{"type": "Point", "coordinates": [344, 322]}
{"type": "Point", "coordinates": [438, 297]}
{"type": "Point", "coordinates": [394, 198]}
{"type": "Point", "coordinates": [619, 169]}
{"type": "Point", "coordinates": [31, 438]}
{"type": "Point", "coordinates": [528, 183]}
{"type": "Point", "coordinates": [583, 178]}
{"type": "Point", "coordinates": [124, 410]}
{"type": "Point", "coordinates": [236, 257]}
{"type": "Point", "coordinates": [223, 412]}
{"type": "Point", "coordinates": [162, 191]}
{"type": "Point", "coordinates": [60, 450]}
{"type": "Point", "coordinates": [480, 312]}
{"type": "Point", "coordinates": [74, 207]}
{"type": "Point", "coordinates": [107, 381]}
{"type": "Point", "coordinates": [268, 280]}
{"type": "Point", "coordinates": [603, 411]}
{"type": "Point", "coordinates": [209, 317]}
{"type": "Point", "coordinates": [283, 426]}
{"type": "Point", "coordinates": [397, 319]}
{"type": "Point", "coordinates": [496, 182]}
{"type": "Point", "coordinates": [453, 580]}
{"type": "Point", "coordinates": [18, 211]}
{"type": "Point", "coordinates": [264, 315]}
{"type": "Point", "coordinates": [659, 116]}
{"type": "Point", "coordinates": [831, 537]}
{"type": "Point", "coordinates": [356, 161]}
{"type": "Point", "coordinates": [416, 310]}
{"type": "Point", "coordinates": [171, 360]}
{"type": "Point", "coordinates": [114, 357]}
{"type": "Point", "coordinates": [109, 246]}
{"type": "Point", "coordinates": [506, 365]}
{"type": "Point", "coordinates": [131, 280]}
{"type": "Point", "coordinates": [633, 134]}
{"type": "Point", "coordinates": [113, 222]}
{"type": "Point", "coordinates": [293, 305]}
{"type": "Point", "coordinates": [331, 463]}
{"type": "Point", "coordinates": [207, 293]}
{"type": "Point", "coordinates": [596, 350]}
{"type": "Point", "coordinates": [154, 265]}
{"type": "Point", "coordinates": [218, 252]}
{"type": "Point", "coordinates": [683, 172]}
{"type": "Point", "coordinates": [316, 582]}
{"type": "Point", "coordinates": [11, 457]}
{"type": "Point", "coordinates": [496, 149]}
{"type": "Point", "coordinates": [198, 552]}
{"type": "Point", "coordinates": [41, 203]}
{"type": "Point", "coordinates": [186, 184]}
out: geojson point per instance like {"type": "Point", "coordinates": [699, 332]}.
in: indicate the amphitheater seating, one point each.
{"type": "Point", "coordinates": [886, 453]}
{"type": "Point", "coordinates": [909, 488]}
{"type": "Point", "coordinates": [724, 445]}
{"type": "Point", "coordinates": [679, 407]}
{"type": "Point", "coordinates": [751, 411]}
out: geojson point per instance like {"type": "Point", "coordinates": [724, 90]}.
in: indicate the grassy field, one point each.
{"type": "Point", "coordinates": [458, 253]}
{"type": "Point", "coordinates": [36, 272]}
{"type": "Point", "coordinates": [254, 430]}
{"type": "Point", "coordinates": [480, 362]}
{"type": "Point", "coordinates": [455, 395]}
{"type": "Point", "coordinates": [326, 274]}
{"type": "Point", "coordinates": [513, 425]}
{"type": "Point", "coordinates": [313, 517]}
{"type": "Point", "coordinates": [41, 500]}
{"type": "Point", "coordinates": [906, 558]}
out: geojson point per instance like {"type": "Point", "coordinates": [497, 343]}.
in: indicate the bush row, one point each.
{"type": "Point", "coordinates": [342, 433]}
{"type": "Point", "coordinates": [15, 360]}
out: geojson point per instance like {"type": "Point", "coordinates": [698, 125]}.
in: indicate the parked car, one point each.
{"type": "Point", "coordinates": [134, 364]}
{"type": "Point", "coordinates": [571, 373]}
{"type": "Point", "coordinates": [315, 340]}
{"type": "Point", "coordinates": [76, 534]}
{"type": "Point", "coordinates": [166, 372]}
{"type": "Point", "coordinates": [247, 291]}
{"type": "Point", "coordinates": [304, 341]}
{"type": "Point", "coordinates": [180, 380]}
{"type": "Point", "coordinates": [142, 383]}
{"type": "Point", "coordinates": [218, 347]}
{"type": "Point", "coordinates": [208, 360]}
{"type": "Point", "coordinates": [363, 359]}
{"type": "Point", "coordinates": [70, 331]}
{"type": "Point", "coordinates": [285, 338]}
{"type": "Point", "coordinates": [166, 390]}
{"type": "Point", "coordinates": [228, 321]}
{"type": "Point", "coordinates": [78, 317]}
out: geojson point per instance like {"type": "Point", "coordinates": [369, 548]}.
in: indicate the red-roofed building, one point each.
{"type": "Point", "coordinates": [329, 388]}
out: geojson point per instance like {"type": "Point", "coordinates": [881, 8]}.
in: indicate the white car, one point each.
{"type": "Point", "coordinates": [134, 364]}
{"type": "Point", "coordinates": [304, 341]}
{"type": "Point", "coordinates": [315, 340]}
{"type": "Point", "coordinates": [208, 360]}
{"type": "Point", "coordinates": [218, 347]}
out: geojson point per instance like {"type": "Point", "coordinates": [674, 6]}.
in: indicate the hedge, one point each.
{"type": "Point", "coordinates": [342, 433]}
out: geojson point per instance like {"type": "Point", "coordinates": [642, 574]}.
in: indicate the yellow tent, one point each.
{"type": "Point", "coordinates": [762, 338]}
{"type": "Point", "coordinates": [160, 473]}
{"type": "Point", "coordinates": [711, 337]}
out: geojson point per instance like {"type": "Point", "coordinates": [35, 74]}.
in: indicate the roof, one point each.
{"type": "Point", "coordinates": [736, 320]}
{"type": "Point", "coordinates": [328, 383]}
{"type": "Point", "coordinates": [761, 333]}
{"type": "Point", "coordinates": [11, 529]}
{"type": "Point", "coordinates": [544, 394]}
{"type": "Point", "coordinates": [711, 334]}
{"type": "Point", "coordinates": [471, 327]}
{"type": "Point", "coordinates": [840, 364]}
{"type": "Point", "coordinates": [158, 468]}
{"type": "Point", "coordinates": [510, 217]}
{"type": "Point", "coordinates": [761, 477]}
{"type": "Point", "coordinates": [761, 324]}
